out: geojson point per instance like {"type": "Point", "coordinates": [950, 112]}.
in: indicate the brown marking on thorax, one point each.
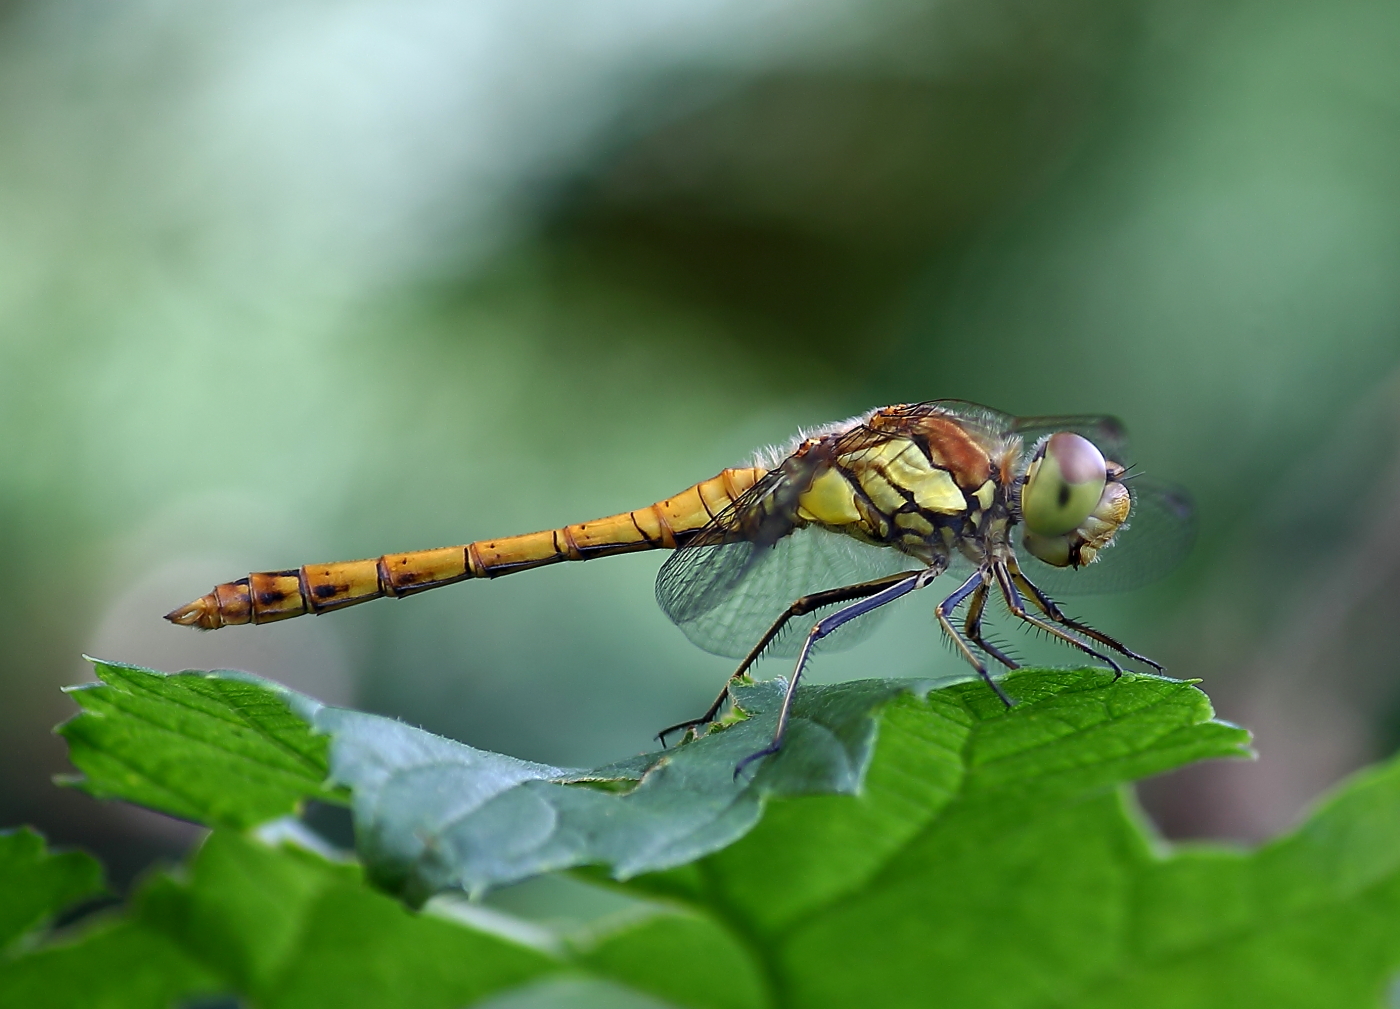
{"type": "Point", "coordinates": [952, 447]}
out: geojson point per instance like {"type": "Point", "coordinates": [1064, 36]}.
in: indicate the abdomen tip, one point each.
{"type": "Point", "coordinates": [202, 613]}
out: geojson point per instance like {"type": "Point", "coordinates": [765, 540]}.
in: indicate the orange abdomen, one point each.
{"type": "Point", "coordinates": [318, 588]}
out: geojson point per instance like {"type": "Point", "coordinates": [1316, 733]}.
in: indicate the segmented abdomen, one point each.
{"type": "Point", "coordinates": [319, 588]}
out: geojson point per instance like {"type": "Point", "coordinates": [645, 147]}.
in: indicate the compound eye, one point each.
{"type": "Point", "coordinates": [1053, 550]}
{"type": "Point", "coordinates": [1063, 486]}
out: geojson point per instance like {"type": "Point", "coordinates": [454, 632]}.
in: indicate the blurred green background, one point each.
{"type": "Point", "coordinates": [298, 281]}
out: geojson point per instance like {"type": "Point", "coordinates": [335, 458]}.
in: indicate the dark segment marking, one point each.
{"type": "Point", "coordinates": [304, 587]}
{"type": "Point", "coordinates": [509, 567]}
{"type": "Point", "coordinates": [640, 531]}
{"type": "Point", "coordinates": [904, 491]}
{"type": "Point", "coordinates": [858, 492]}
{"type": "Point", "coordinates": [685, 537]}
{"type": "Point", "coordinates": [572, 551]}
{"type": "Point", "coordinates": [325, 591]}
{"type": "Point", "coordinates": [386, 584]}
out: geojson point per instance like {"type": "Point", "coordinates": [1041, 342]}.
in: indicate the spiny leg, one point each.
{"type": "Point", "coordinates": [800, 607]}
{"type": "Point", "coordinates": [821, 629]}
{"type": "Point", "coordinates": [1018, 610]}
{"type": "Point", "coordinates": [1052, 610]}
{"type": "Point", "coordinates": [972, 627]}
{"type": "Point", "coordinates": [941, 613]}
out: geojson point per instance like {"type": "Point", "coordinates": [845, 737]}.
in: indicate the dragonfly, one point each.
{"type": "Point", "coordinates": [842, 521]}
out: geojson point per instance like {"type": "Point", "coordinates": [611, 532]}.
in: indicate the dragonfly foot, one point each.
{"type": "Point", "coordinates": [689, 728]}
{"type": "Point", "coordinates": [767, 751]}
{"type": "Point", "coordinates": [996, 689]}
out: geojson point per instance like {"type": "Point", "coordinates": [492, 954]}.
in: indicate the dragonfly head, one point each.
{"type": "Point", "coordinates": [1073, 501]}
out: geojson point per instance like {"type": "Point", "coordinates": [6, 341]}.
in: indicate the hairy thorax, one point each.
{"type": "Point", "coordinates": [929, 490]}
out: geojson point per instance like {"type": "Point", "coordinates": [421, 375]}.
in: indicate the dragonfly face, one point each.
{"type": "Point", "coordinates": [1073, 501]}
{"type": "Point", "coordinates": [856, 515]}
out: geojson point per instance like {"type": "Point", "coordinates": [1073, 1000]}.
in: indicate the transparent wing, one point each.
{"type": "Point", "coordinates": [1161, 529]}
{"type": "Point", "coordinates": [708, 570]}
{"type": "Point", "coordinates": [1105, 432]}
{"type": "Point", "coordinates": [724, 596]}
{"type": "Point", "coordinates": [993, 422]}
{"type": "Point", "coordinates": [705, 571]}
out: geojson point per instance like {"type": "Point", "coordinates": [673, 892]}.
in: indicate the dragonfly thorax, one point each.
{"type": "Point", "coordinates": [925, 485]}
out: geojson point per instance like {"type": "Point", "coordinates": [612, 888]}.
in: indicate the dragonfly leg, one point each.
{"type": "Point", "coordinates": [941, 613]}
{"type": "Point", "coordinates": [821, 629]}
{"type": "Point", "coordinates": [800, 607]}
{"type": "Point", "coordinates": [972, 627]}
{"type": "Point", "coordinates": [1052, 610]}
{"type": "Point", "coordinates": [1018, 610]}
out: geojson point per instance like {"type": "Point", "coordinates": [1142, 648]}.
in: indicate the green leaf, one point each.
{"type": "Point", "coordinates": [431, 813]}
{"type": "Point", "coordinates": [276, 927]}
{"type": "Point", "coordinates": [1311, 919]}
{"type": "Point", "coordinates": [959, 756]}
{"type": "Point", "coordinates": [222, 748]}
{"type": "Point", "coordinates": [285, 928]}
{"type": "Point", "coordinates": [986, 858]}
{"type": "Point", "coordinates": [37, 885]}
{"type": "Point", "coordinates": [114, 965]}
{"type": "Point", "coordinates": [718, 971]}
{"type": "Point", "coordinates": [281, 927]}
{"type": "Point", "coordinates": [1016, 875]}
{"type": "Point", "coordinates": [230, 749]}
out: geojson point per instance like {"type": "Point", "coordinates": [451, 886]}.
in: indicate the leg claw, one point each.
{"type": "Point", "coordinates": [767, 751]}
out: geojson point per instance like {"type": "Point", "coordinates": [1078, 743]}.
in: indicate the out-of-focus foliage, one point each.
{"type": "Point", "coordinates": [37, 884]}
{"type": "Point", "coordinates": [287, 282]}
